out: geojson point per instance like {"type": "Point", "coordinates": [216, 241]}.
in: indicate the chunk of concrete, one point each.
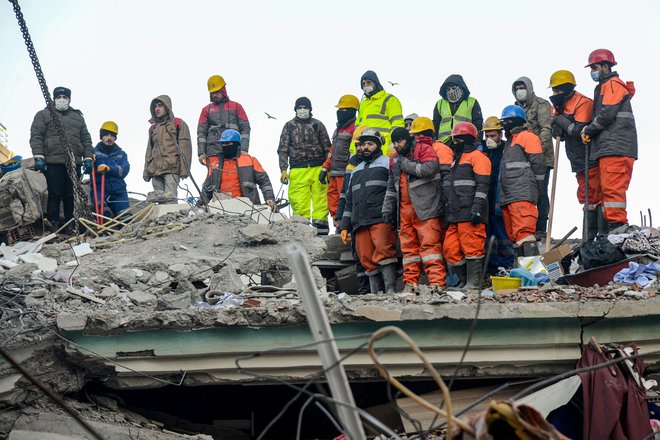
{"type": "Point", "coordinates": [70, 322]}
{"type": "Point", "coordinates": [22, 270]}
{"type": "Point", "coordinates": [227, 280]}
{"type": "Point", "coordinates": [123, 276]}
{"type": "Point", "coordinates": [142, 298]}
{"type": "Point", "coordinates": [174, 301]}
{"type": "Point", "coordinates": [185, 286]}
{"type": "Point", "coordinates": [258, 234]}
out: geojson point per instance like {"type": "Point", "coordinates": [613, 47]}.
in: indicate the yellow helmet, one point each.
{"type": "Point", "coordinates": [421, 124]}
{"type": "Point", "coordinates": [561, 77]}
{"type": "Point", "coordinates": [110, 126]}
{"type": "Point", "coordinates": [492, 123]}
{"type": "Point", "coordinates": [348, 101]}
{"type": "Point", "coordinates": [215, 83]}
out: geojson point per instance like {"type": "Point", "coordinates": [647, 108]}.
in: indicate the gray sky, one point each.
{"type": "Point", "coordinates": [116, 56]}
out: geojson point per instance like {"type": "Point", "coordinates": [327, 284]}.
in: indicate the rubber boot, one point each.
{"type": "Point", "coordinates": [474, 273]}
{"type": "Point", "coordinates": [592, 224]}
{"type": "Point", "coordinates": [519, 252]}
{"type": "Point", "coordinates": [363, 285]}
{"type": "Point", "coordinates": [461, 272]}
{"type": "Point", "coordinates": [389, 277]}
{"type": "Point", "coordinates": [611, 226]}
{"type": "Point", "coordinates": [376, 283]}
{"type": "Point", "coordinates": [602, 223]}
{"type": "Point", "coordinates": [531, 249]}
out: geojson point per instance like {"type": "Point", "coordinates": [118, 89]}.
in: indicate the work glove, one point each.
{"type": "Point", "coordinates": [272, 205]}
{"type": "Point", "coordinates": [284, 178]}
{"type": "Point", "coordinates": [585, 137]}
{"type": "Point", "coordinates": [88, 165]}
{"type": "Point", "coordinates": [102, 169]}
{"type": "Point", "coordinates": [323, 177]}
{"type": "Point", "coordinates": [202, 159]}
{"type": "Point", "coordinates": [388, 218]}
{"type": "Point", "coordinates": [475, 218]}
{"type": "Point", "coordinates": [40, 164]}
{"type": "Point", "coordinates": [345, 237]}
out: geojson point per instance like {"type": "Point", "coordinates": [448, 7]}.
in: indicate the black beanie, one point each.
{"type": "Point", "coordinates": [61, 91]}
{"type": "Point", "coordinates": [400, 134]}
{"type": "Point", "coordinates": [104, 132]}
{"type": "Point", "coordinates": [303, 100]}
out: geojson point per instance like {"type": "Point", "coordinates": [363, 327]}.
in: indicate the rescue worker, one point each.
{"type": "Point", "coordinates": [110, 160]}
{"type": "Point", "coordinates": [408, 120]}
{"type": "Point", "coordinates": [50, 155]}
{"type": "Point", "coordinates": [522, 176]}
{"type": "Point", "coordinates": [304, 146]}
{"type": "Point", "coordinates": [455, 105]}
{"type": "Point", "coordinates": [502, 253]}
{"type": "Point", "coordinates": [237, 174]}
{"type": "Point", "coordinates": [169, 148]}
{"type": "Point", "coordinates": [613, 135]}
{"type": "Point", "coordinates": [375, 240]}
{"type": "Point", "coordinates": [334, 167]}
{"type": "Point", "coordinates": [378, 109]}
{"type": "Point", "coordinates": [467, 207]}
{"type": "Point", "coordinates": [572, 112]}
{"type": "Point", "coordinates": [539, 118]}
{"type": "Point", "coordinates": [414, 197]}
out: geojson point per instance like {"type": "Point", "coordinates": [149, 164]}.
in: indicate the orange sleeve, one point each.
{"type": "Point", "coordinates": [480, 163]}
{"type": "Point", "coordinates": [257, 166]}
{"type": "Point", "coordinates": [613, 92]}
{"type": "Point", "coordinates": [530, 142]}
{"type": "Point", "coordinates": [445, 154]}
{"type": "Point", "coordinates": [584, 111]}
{"type": "Point", "coordinates": [326, 164]}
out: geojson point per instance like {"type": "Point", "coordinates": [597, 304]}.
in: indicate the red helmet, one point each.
{"type": "Point", "coordinates": [600, 56]}
{"type": "Point", "coordinates": [464, 128]}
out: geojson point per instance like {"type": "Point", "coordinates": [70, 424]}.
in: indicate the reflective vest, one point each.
{"type": "Point", "coordinates": [383, 111]}
{"type": "Point", "coordinates": [463, 114]}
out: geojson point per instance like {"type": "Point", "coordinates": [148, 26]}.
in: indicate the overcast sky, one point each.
{"type": "Point", "coordinates": [116, 56]}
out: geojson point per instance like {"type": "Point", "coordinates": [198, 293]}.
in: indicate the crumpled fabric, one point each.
{"type": "Point", "coordinates": [635, 273]}
{"type": "Point", "coordinates": [526, 276]}
{"type": "Point", "coordinates": [641, 242]}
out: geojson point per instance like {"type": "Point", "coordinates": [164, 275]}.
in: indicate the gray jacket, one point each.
{"type": "Point", "coordinates": [523, 170]}
{"type": "Point", "coordinates": [539, 118]}
{"type": "Point", "coordinates": [44, 140]}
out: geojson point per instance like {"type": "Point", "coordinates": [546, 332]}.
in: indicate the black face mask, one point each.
{"type": "Point", "coordinates": [344, 115]}
{"type": "Point", "coordinates": [565, 92]}
{"type": "Point", "coordinates": [230, 151]}
{"type": "Point", "coordinates": [508, 126]}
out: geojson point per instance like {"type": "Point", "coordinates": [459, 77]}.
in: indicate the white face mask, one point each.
{"type": "Point", "coordinates": [521, 95]}
{"type": "Point", "coordinates": [491, 144]}
{"type": "Point", "coordinates": [367, 89]}
{"type": "Point", "coordinates": [62, 104]}
{"type": "Point", "coordinates": [303, 113]}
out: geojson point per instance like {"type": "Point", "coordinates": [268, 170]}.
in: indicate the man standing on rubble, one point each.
{"type": "Point", "coordinates": [539, 117]}
{"type": "Point", "coordinates": [334, 166]}
{"type": "Point", "coordinates": [375, 240]}
{"type": "Point", "coordinates": [169, 149]}
{"type": "Point", "coordinates": [572, 112]}
{"type": "Point", "coordinates": [414, 197]}
{"type": "Point", "coordinates": [50, 155]}
{"type": "Point", "coordinates": [455, 105]}
{"type": "Point", "coordinates": [522, 176]}
{"type": "Point", "coordinates": [378, 109]}
{"type": "Point", "coordinates": [613, 135]}
{"type": "Point", "coordinates": [111, 161]}
{"type": "Point", "coordinates": [304, 146]}
{"type": "Point", "coordinates": [237, 173]}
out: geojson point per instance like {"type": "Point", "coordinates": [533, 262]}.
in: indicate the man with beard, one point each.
{"type": "Point", "coordinates": [111, 161]}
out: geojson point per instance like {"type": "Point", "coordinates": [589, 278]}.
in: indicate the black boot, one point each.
{"type": "Point", "coordinates": [611, 226]}
{"type": "Point", "coordinates": [376, 283]}
{"type": "Point", "coordinates": [474, 273]}
{"type": "Point", "coordinates": [592, 224]}
{"type": "Point", "coordinates": [461, 273]}
{"type": "Point", "coordinates": [363, 284]}
{"type": "Point", "coordinates": [389, 277]}
{"type": "Point", "coordinates": [531, 249]}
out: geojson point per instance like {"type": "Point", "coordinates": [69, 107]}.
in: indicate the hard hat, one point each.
{"type": "Point", "coordinates": [411, 117]}
{"type": "Point", "coordinates": [421, 124]}
{"type": "Point", "coordinates": [601, 56]}
{"type": "Point", "coordinates": [12, 164]}
{"type": "Point", "coordinates": [464, 128]}
{"type": "Point", "coordinates": [230, 135]}
{"type": "Point", "coordinates": [215, 83]}
{"type": "Point", "coordinates": [561, 77]}
{"type": "Point", "coordinates": [371, 134]}
{"type": "Point", "coordinates": [492, 123]}
{"type": "Point", "coordinates": [513, 111]}
{"type": "Point", "coordinates": [348, 101]}
{"type": "Point", "coordinates": [110, 126]}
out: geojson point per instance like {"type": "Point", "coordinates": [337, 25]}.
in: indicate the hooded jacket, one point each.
{"type": "Point", "coordinates": [303, 143]}
{"type": "Point", "coordinates": [117, 160]}
{"type": "Point", "coordinates": [162, 155]}
{"type": "Point", "coordinates": [216, 118]}
{"type": "Point", "coordinates": [379, 110]}
{"type": "Point", "coordinates": [44, 140]}
{"type": "Point", "coordinates": [577, 114]}
{"type": "Point", "coordinates": [476, 117]}
{"type": "Point", "coordinates": [539, 118]}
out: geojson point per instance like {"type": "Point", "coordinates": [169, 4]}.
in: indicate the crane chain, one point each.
{"type": "Point", "coordinates": [81, 207]}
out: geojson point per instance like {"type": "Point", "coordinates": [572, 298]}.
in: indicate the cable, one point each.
{"type": "Point", "coordinates": [300, 416]}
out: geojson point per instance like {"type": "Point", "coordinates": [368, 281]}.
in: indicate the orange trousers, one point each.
{"type": "Point", "coordinates": [615, 174]}
{"type": "Point", "coordinates": [520, 221]}
{"type": "Point", "coordinates": [334, 191]}
{"type": "Point", "coordinates": [421, 245]}
{"type": "Point", "coordinates": [465, 240]}
{"type": "Point", "coordinates": [375, 246]}
{"type": "Point", "coordinates": [595, 194]}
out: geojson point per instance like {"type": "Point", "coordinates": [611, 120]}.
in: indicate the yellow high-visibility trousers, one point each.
{"type": "Point", "coordinates": [309, 197]}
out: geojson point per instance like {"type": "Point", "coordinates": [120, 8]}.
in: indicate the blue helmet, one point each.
{"type": "Point", "coordinates": [230, 135]}
{"type": "Point", "coordinates": [513, 111]}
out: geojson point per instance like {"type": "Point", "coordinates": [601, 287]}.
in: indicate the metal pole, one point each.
{"type": "Point", "coordinates": [327, 348]}
{"type": "Point", "coordinates": [548, 239]}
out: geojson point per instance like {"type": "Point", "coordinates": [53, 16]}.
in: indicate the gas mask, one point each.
{"type": "Point", "coordinates": [454, 94]}
{"type": "Point", "coordinates": [303, 113]}
{"type": "Point", "coordinates": [62, 104]}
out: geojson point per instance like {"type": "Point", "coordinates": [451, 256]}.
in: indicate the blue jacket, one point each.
{"type": "Point", "coordinates": [117, 160]}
